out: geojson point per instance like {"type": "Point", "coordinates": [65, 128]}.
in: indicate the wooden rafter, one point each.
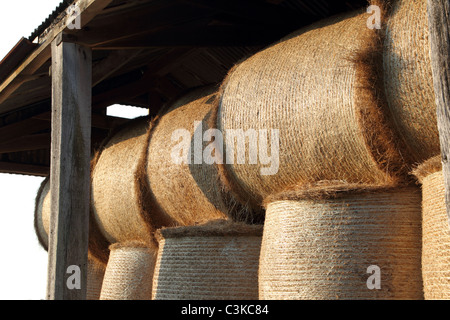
{"type": "Point", "coordinates": [88, 8]}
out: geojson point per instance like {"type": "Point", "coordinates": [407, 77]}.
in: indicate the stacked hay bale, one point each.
{"type": "Point", "coordinates": [129, 273]}
{"type": "Point", "coordinates": [313, 87]}
{"type": "Point", "coordinates": [178, 188]}
{"type": "Point", "coordinates": [334, 92]}
{"type": "Point", "coordinates": [115, 208]}
{"type": "Point", "coordinates": [327, 131]}
{"type": "Point", "coordinates": [161, 191]}
{"type": "Point", "coordinates": [115, 199]}
{"type": "Point", "coordinates": [214, 261]}
{"type": "Point", "coordinates": [320, 242]}
{"type": "Point", "coordinates": [96, 264]}
{"type": "Point", "coordinates": [436, 232]}
{"type": "Point", "coordinates": [409, 80]}
{"type": "Point", "coordinates": [351, 103]}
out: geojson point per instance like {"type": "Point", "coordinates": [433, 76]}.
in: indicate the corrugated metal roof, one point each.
{"type": "Point", "coordinates": [48, 22]}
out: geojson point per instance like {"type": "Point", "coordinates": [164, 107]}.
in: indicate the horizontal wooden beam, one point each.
{"type": "Point", "coordinates": [24, 127]}
{"type": "Point", "coordinates": [256, 11]}
{"type": "Point", "coordinates": [204, 36]}
{"type": "Point", "coordinates": [26, 143]}
{"type": "Point", "coordinates": [150, 80]}
{"type": "Point", "coordinates": [138, 21]}
{"type": "Point", "coordinates": [22, 168]}
{"type": "Point", "coordinates": [113, 62]}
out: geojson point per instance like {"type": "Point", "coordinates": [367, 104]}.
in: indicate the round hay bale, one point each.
{"type": "Point", "coordinates": [42, 213]}
{"type": "Point", "coordinates": [129, 273]}
{"type": "Point", "coordinates": [114, 192]}
{"type": "Point", "coordinates": [320, 87]}
{"type": "Point", "coordinates": [178, 187]}
{"type": "Point", "coordinates": [96, 266]}
{"type": "Point", "coordinates": [215, 261]}
{"type": "Point", "coordinates": [436, 231]}
{"type": "Point", "coordinates": [408, 78]}
{"type": "Point", "coordinates": [95, 276]}
{"type": "Point", "coordinates": [338, 241]}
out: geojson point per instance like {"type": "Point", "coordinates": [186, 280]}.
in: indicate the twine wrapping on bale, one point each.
{"type": "Point", "coordinates": [95, 267]}
{"type": "Point", "coordinates": [215, 261]}
{"type": "Point", "coordinates": [319, 246]}
{"type": "Point", "coordinates": [186, 193]}
{"type": "Point", "coordinates": [408, 78]}
{"type": "Point", "coordinates": [322, 89]}
{"type": "Point", "coordinates": [436, 231]}
{"type": "Point", "coordinates": [129, 273]}
{"type": "Point", "coordinates": [115, 202]}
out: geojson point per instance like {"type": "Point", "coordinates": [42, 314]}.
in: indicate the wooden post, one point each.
{"type": "Point", "coordinates": [439, 25]}
{"type": "Point", "coordinates": [69, 170]}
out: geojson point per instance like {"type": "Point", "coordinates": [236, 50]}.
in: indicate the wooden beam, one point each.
{"type": "Point", "coordinates": [24, 127]}
{"type": "Point", "coordinates": [70, 172]}
{"type": "Point", "coordinates": [108, 66]}
{"type": "Point", "coordinates": [150, 18]}
{"type": "Point", "coordinates": [97, 120]}
{"type": "Point", "coordinates": [201, 36]}
{"type": "Point", "coordinates": [23, 168]}
{"type": "Point", "coordinates": [439, 24]}
{"type": "Point", "coordinates": [149, 80]}
{"type": "Point", "coordinates": [88, 8]}
{"type": "Point", "coordinates": [257, 12]}
{"type": "Point", "coordinates": [26, 143]}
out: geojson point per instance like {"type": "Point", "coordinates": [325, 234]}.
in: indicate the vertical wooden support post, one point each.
{"type": "Point", "coordinates": [439, 25]}
{"type": "Point", "coordinates": [69, 171]}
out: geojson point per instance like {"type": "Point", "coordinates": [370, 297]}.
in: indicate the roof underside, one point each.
{"type": "Point", "coordinates": [145, 53]}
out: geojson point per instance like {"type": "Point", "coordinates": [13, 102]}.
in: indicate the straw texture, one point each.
{"type": "Point", "coordinates": [310, 87]}
{"type": "Point", "coordinates": [321, 249]}
{"type": "Point", "coordinates": [408, 78]}
{"type": "Point", "coordinates": [129, 272]}
{"type": "Point", "coordinates": [114, 198]}
{"type": "Point", "coordinates": [217, 261]}
{"type": "Point", "coordinates": [436, 232]}
{"type": "Point", "coordinates": [184, 193]}
{"type": "Point", "coordinates": [95, 275]}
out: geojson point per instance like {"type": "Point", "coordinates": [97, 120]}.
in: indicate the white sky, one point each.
{"type": "Point", "coordinates": [23, 263]}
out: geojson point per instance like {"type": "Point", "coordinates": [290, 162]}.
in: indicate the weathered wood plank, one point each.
{"type": "Point", "coordinates": [26, 143]}
{"type": "Point", "coordinates": [23, 168]}
{"type": "Point", "coordinates": [439, 24]}
{"type": "Point", "coordinates": [70, 176]}
{"type": "Point", "coordinates": [27, 126]}
{"type": "Point", "coordinates": [97, 120]}
{"type": "Point", "coordinates": [116, 60]}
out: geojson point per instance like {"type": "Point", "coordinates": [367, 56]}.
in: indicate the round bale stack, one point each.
{"type": "Point", "coordinates": [179, 187]}
{"type": "Point", "coordinates": [115, 199]}
{"type": "Point", "coordinates": [350, 103]}
{"type": "Point", "coordinates": [328, 241]}
{"type": "Point", "coordinates": [215, 261]}
{"type": "Point", "coordinates": [129, 273]}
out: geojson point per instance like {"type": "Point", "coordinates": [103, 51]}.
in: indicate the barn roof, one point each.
{"type": "Point", "coordinates": [145, 53]}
